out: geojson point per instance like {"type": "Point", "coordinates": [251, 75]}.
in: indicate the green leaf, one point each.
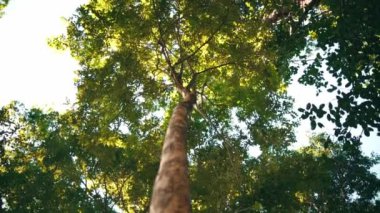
{"type": "Point", "coordinates": [313, 124]}
{"type": "Point", "coordinates": [366, 132]}
{"type": "Point", "coordinates": [308, 106]}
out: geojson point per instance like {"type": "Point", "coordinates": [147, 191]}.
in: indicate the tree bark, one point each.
{"type": "Point", "coordinates": [171, 191]}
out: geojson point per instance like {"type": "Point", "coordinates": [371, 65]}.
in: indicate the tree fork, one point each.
{"type": "Point", "coordinates": [171, 191]}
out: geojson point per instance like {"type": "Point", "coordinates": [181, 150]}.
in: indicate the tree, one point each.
{"type": "Point", "coordinates": [139, 57]}
{"type": "Point", "coordinates": [229, 59]}
{"type": "Point", "coordinates": [37, 168]}
{"type": "Point", "coordinates": [325, 176]}
{"type": "Point", "coordinates": [46, 164]}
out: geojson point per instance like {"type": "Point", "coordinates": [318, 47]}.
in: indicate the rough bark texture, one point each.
{"type": "Point", "coordinates": [171, 191]}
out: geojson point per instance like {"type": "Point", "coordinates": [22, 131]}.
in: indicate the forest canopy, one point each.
{"type": "Point", "coordinates": [182, 91]}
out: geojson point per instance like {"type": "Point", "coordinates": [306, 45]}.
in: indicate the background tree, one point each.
{"type": "Point", "coordinates": [38, 171]}
{"type": "Point", "coordinates": [325, 176]}
{"type": "Point", "coordinates": [47, 164]}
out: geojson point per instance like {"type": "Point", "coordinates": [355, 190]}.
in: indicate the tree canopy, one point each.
{"type": "Point", "coordinates": [140, 59]}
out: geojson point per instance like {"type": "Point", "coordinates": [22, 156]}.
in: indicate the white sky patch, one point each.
{"type": "Point", "coordinates": [31, 71]}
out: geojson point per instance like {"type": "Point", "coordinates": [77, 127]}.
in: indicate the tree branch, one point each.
{"type": "Point", "coordinates": [215, 67]}
{"type": "Point", "coordinates": [176, 78]}
{"type": "Point", "coordinates": [193, 81]}
{"type": "Point", "coordinates": [194, 77]}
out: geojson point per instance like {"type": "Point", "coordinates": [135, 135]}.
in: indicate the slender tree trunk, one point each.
{"type": "Point", "coordinates": [171, 191]}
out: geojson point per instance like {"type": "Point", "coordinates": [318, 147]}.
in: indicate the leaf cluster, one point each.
{"type": "Point", "coordinates": [346, 37]}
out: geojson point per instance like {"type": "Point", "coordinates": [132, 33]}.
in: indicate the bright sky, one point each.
{"type": "Point", "coordinates": [31, 71]}
{"type": "Point", "coordinates": [37, 75]}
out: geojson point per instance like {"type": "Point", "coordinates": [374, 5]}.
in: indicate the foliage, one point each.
{"type": "Point", "coordinates": [325, 176]}
{"type": "Point", "coordinates": [45, 166]}
{"type": "Point", "coordinates": [127, 50]}
{"type": "Point", "coordinates": [38, 171]}
{"type": "Point", "coordinates": [345, 35]}
{"type": "Point", "coordinates": [137, 57]}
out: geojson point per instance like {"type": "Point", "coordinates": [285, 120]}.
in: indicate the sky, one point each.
{"type": "Point", "coordinates": [31, 71]}
{"type": "Point", "coordinates": [37, 75]}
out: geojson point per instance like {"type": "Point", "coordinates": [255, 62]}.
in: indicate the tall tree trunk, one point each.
{"type": "Point", "coordinates": [171, 191]}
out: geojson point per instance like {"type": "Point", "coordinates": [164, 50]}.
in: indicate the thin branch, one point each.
{"type": "Point", "coordinates": [211, 101]}
{"type": "Point", "coordinates": [106, 205]}
{"type": "Point", "coordinates": [204, 85]}
{"type": "Point", "coordinates": [120, 193]}
{"type": "Point", "coordinates": [193, 81]}
{"type": "Point", "coordinates": [178, 34]}
{"type": "Point", "coordinates": [194, 76]}
{"type": "Point", "coordinates": [176, 78]}
{"type": "Point", "coordinates": [190, 67]}
{"type": "Point", "coordinates": [215, 67]}
{"type": "Point", "coordinates": [161, 42]}
{"type": "Point", "coordinates": [164, 51]}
